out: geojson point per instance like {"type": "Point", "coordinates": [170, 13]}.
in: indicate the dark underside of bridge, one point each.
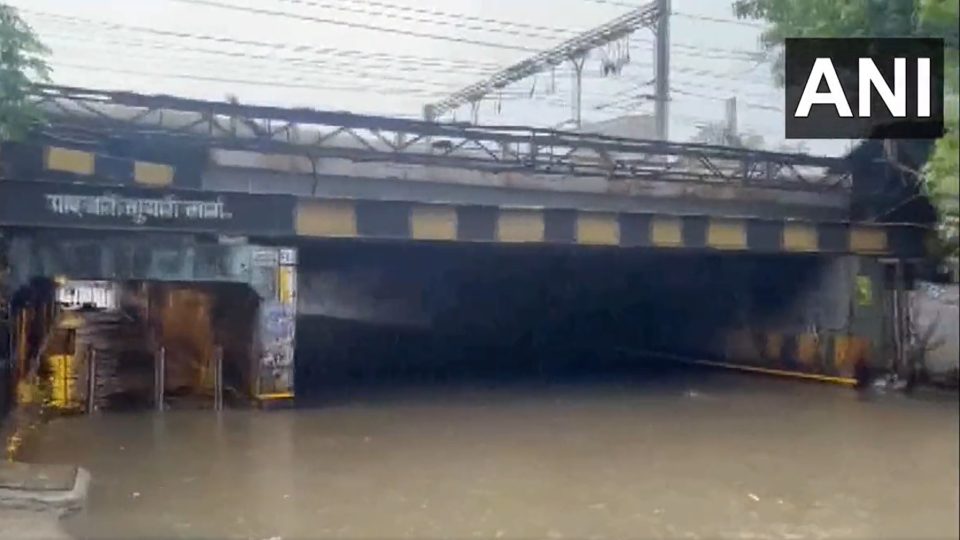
{"type": "Point", "coordinates": [381, 315]}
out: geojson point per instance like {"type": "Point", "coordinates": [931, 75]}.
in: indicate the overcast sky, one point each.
{"type": "Point", "coordinates": [300, 60]}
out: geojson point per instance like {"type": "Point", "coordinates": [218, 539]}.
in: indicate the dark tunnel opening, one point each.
{"type": "Point", "coordinates": [376, 316]}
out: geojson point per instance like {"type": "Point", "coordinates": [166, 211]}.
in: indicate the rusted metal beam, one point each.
{"type": "Point", "coordinates": [524, 148]}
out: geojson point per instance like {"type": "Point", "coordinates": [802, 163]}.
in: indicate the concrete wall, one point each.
{"type": "Point", "coordinates": [831, 322]}
{"type": "Point", "coordinates": [259, 173]}
{"type": "Point", "coordinates": [388, 285]}
{"type": "Point", "coordinates": [936, 309]}
{"type": "Point", "coordinates": [368, 295]}
{"type": "Point", "coordinates": [631, 126]}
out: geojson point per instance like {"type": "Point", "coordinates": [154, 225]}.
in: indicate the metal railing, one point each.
{"type": "Point", "coordinates": [160, 379]}
{"type": "Point", "coordinates": [97, 118]}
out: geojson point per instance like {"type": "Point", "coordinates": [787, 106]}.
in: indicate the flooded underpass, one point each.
{"type": "Point", "coordinates": [512, 397]}
{"type": "Point", "coordinates": [662, 454]}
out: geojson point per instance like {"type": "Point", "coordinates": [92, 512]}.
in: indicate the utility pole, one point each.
{"type": "Point", "coordinates": [730, 120]}
{"type": "Point", "coordinates": [662, 66]}
{"type": "Point", "coordinates": [576, 100]}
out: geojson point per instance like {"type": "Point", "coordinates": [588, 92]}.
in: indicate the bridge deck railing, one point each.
{"type": "Point", "coordinates": [93, 116]}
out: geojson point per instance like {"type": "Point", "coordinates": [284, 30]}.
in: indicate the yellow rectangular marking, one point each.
{"type": "Point", "coordinates": [275, 396]}
{"type": "Point", "coordinates": [868, 240]}
{"type": "Point", "coordinates": [327, 218]}
{"type": "Point", "coordinates": [666, 231]}
{"type": "Point", "coordinates": [71, 161]}
{"type": "Point", "coordinates": [727, 234]}
{"type": "Point", "coordinates": [520, 226]}
{"type": "Point", "coordinates": [774, 372]}
{"type": "Point", "coordinates": [597, 229]}
{"type": "Point", "coordinates": [287, 285]}
{"type": "Point", "coordinates": [848, 351]}
{"type": "Point", "coordinates": [773, 347]}
{"type": "Point", "coordinates": [799, 237]}
{"type": "Point", "coordinates": [152, 174]}
{"type": "Point", "coordinates": [808, 350]}
{"type": "Point", "coordinates": [429, 222]}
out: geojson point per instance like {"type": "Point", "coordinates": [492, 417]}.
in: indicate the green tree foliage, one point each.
{"type": "Point", "coordinates": [940, 18]}
{"type": "Point", "coordinates": [855, 18]}
{"type": "Point", "coordinates": [22, 63]}
{"type": "Point", "coordinates": [876, 18]}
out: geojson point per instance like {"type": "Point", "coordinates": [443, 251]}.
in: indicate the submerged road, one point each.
{"type": "Point", "coordinates": [694, 454]}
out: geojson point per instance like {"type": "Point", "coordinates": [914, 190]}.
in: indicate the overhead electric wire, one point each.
{"type": "Point", "coordinates": [275, 69]}
{"type": "Point", "coordinates": [477, 67]}
{"type": "Point", "coordinates": [682, 89]}
{"type": "Point", "coordinates": [291, 84]}
{"type": "Point", "coordinates": [252, 76]}
{"type": "Point", "coordinates": [353, 53]}
{"type": "Point", "coordinates": [317, 69]}
{"type": "Point", "coordinates": [701, 51]}
{"type": "Point", "coordinates": [497, 24]}
{"type": "Point", "coordinates": [738, 91]}
{"type": "Point", "coordinates": [256, 75]}
{"type": "Point", "coordinates": [614, 3]}
{"type": "Point", "coordinates": [358, 25]}
{"type": "Point", "coordinates": [722, 20]}
{"type": "Point", "coordinates": [343, 66]}
{"type": "Point", "coordinates": [421, 63]}
{"type": "Point", "coordinates": [417, 62]}
{"type": "Point", "coordinates": [695, 73]}
{"type": "Point", "coordinates": [279, 75]}
{"type": "Point", "coordinates": [685, 48]}
{"type": "Point", "coordinates": [325, 67]}
{"type": "Point", "coordinates": [309, 66]}
{"type": "Point", "coordinates": [307, 83]}
{"type": "Point", "coordinates": [748, 104]}
{"type": "Point", "coordinates": [421, 20]}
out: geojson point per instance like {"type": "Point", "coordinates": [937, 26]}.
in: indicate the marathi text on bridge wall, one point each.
{"type": "Point", "coordinates": [138, 210]}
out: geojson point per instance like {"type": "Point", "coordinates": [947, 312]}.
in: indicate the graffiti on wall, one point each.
{"type": "Point", "coordinates": [278, 315]}
{"type": "Point", "coordinates": [277, 326]}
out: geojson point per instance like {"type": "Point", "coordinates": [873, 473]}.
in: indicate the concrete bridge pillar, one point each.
{"type": "Point", "coordinates": [274, 278]}
{"type": "Point", "coordinates": [265, 362]}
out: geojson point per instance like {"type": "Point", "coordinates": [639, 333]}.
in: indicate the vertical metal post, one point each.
{"type": "Point", "coordinates": [899, 339]}
{"type": "Point", "coordinates": [91, 380]}
{"type": "Point", "coordinates": [577, 91]}
{"type": "Point", "coordinates": [730, 119]}
{"type": "Point", "coordinates": [662, 66]}
{"type": "Point", "coordinates": [218, 379]}
{"type": "Point", "coordinates": [159, 378]}
{"type": "Point", "coordinates": [475, 112]}
{"type": "Point", "coordinates": [64, 381]}
{"type": "Point", "coordinates": [903, 331]}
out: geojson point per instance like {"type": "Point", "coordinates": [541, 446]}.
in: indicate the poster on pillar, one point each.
{"type": "Point", "coordinates": [277, 276]}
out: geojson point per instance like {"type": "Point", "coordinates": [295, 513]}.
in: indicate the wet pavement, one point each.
{"type": "Point", "coordinates": [695, 455]}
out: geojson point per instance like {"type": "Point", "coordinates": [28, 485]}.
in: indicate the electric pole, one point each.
{"type": "Point", "coordinates": [576, 99]}
{"type": "Point", "coordinates": [662, 66]}
{"type": "Point", "coordinates": [730, 123]}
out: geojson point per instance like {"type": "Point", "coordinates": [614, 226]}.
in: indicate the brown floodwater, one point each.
{"type": "Point", "coordinates": [698, 454]}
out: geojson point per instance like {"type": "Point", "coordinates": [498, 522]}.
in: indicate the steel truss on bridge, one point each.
{"type": "Point", "coordinates": [92, 117]}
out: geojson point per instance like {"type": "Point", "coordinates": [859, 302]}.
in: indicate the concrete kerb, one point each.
{"type": "Point", "coordinates": [56, 489]}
